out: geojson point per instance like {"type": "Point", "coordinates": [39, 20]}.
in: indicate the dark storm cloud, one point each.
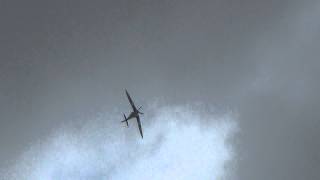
{"type": "Point", "coordinates": [63, 61]}
{"type": "Point", "coordinates": [280, 121]}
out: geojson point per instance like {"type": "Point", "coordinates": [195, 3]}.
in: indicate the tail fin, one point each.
{"type": "Point", "coordinates": [125, 119]}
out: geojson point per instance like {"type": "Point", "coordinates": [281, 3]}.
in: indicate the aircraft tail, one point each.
{"type": "Point", "coordinates": [125, 120]}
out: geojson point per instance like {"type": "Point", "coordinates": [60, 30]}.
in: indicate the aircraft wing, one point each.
{"type": "Point", "coordinates": [131, 102]}
{"type": "Point", "coordinates": [139, 125]}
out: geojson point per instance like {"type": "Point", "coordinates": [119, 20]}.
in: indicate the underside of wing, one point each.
{"type": "Point", "coordinates": [139, 125]}
{"type": "Point", "coordinates": [130, 100]}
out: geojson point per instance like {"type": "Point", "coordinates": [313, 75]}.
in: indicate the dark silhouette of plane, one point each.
{"type": "Point", "coordinates": [134, 114]}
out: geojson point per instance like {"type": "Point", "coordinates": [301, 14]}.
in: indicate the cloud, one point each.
{"type": "Point", "coordinates": [176, 146]}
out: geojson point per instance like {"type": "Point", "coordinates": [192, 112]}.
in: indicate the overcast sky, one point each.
{"type": "Point", "coordinates": [65, 62]}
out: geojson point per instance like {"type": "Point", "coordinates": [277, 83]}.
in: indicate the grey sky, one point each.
{"type": "Point", "coordinates": [65, 61]}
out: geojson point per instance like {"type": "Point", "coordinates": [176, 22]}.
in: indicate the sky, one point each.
{"type": "Point", "coordinates": [238, 79]}
{"type": "Point", "coordinates": [175, 146]}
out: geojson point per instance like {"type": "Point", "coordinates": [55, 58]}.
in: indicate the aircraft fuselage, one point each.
{"type": "Point", "coordinates": [132, 115]}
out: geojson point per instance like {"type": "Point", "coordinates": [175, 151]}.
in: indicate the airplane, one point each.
{"type": "Point", "coordinates": [134, 114]}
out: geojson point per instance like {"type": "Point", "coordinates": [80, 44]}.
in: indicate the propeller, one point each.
{"type": "Point", "coordinates": [139, 109]}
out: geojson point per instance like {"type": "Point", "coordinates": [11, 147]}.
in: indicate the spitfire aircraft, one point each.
{"type": "Point", "coordinates": [134, 114]}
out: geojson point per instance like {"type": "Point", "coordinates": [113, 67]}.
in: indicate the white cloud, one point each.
{"type": "Point", "coordinates": [175, 146]}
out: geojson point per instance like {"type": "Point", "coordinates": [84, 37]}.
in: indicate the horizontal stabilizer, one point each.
{"type": "Point", "coordinates": [125, 119]}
